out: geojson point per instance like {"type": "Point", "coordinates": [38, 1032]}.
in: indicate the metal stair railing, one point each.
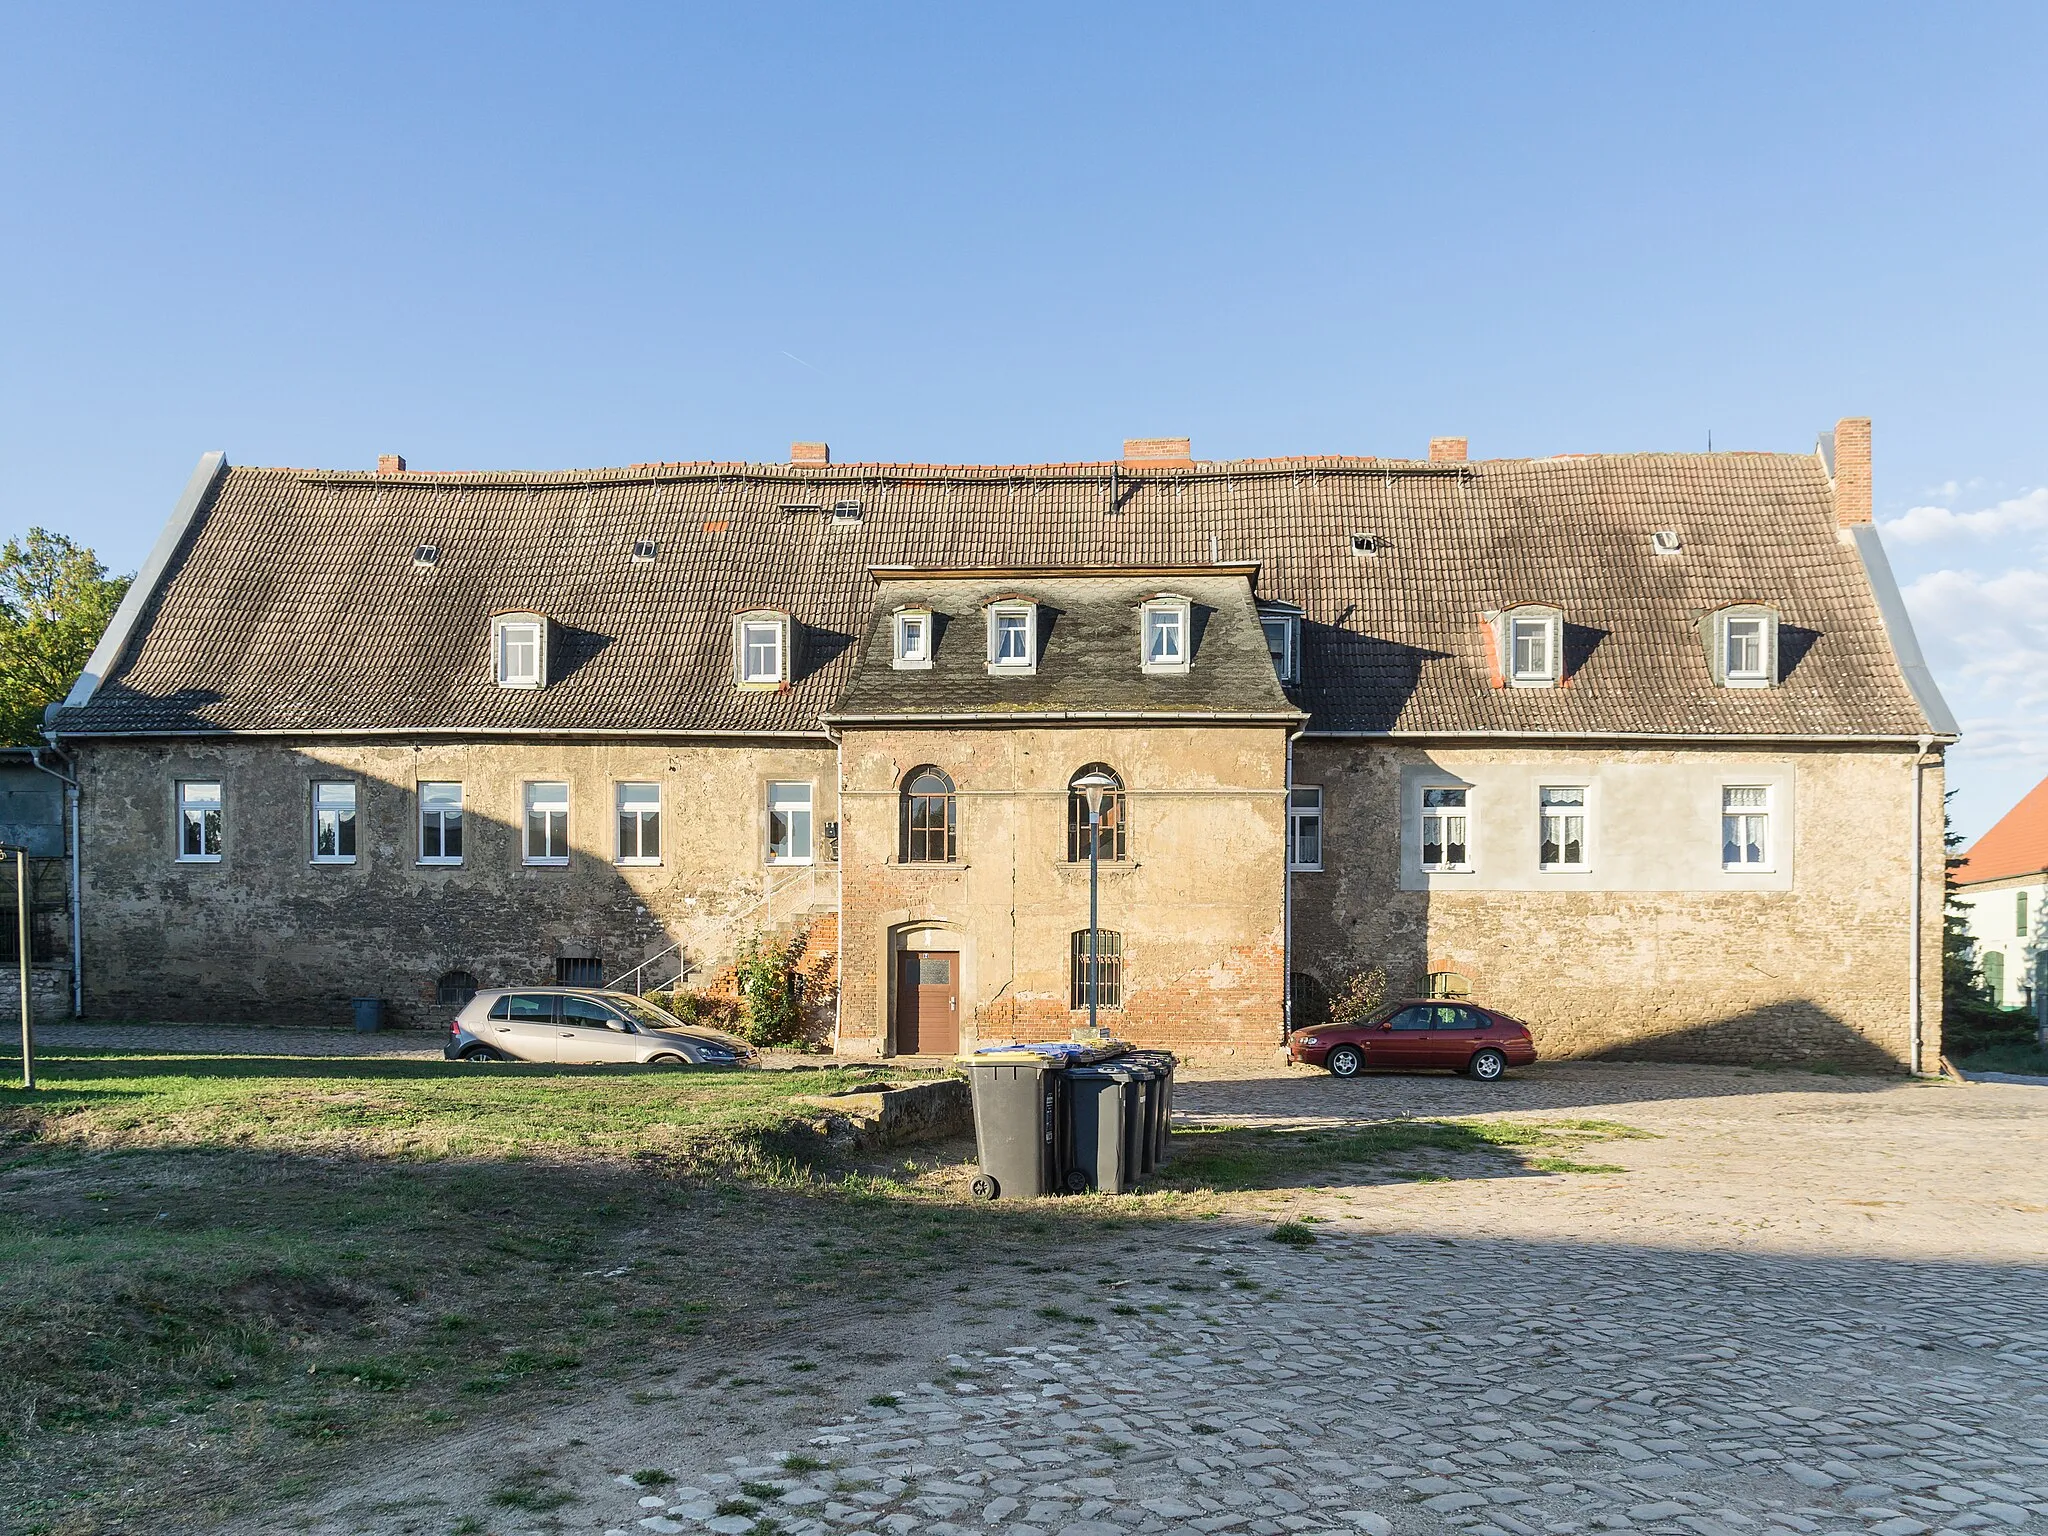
{"type": "Point", "coordinates": [630, 981]}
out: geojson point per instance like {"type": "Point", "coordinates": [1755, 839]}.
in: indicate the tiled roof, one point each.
{"type": "Point", "coordinates": [293, 604]}
{"type": "Point", "coordinates": [2016, 845]}
{"type": "Point", "coordinates": [1088, 651]}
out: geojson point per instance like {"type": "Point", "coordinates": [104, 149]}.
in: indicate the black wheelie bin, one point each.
{"type": "Point", "coordinates": [1106, 1115]}
{"type": "Point", "coordinates": [1158, 1126]}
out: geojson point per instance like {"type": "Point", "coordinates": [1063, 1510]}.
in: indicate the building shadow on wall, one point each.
{"type": "Point", "coordinates": [1794, 1033]}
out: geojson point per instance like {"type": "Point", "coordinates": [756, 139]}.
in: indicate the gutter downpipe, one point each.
{"type": "Point", "coordinates": [1913, 1010]}
{"type": "Point", "coordinates": [1287, 891]}
{"type": "Point", "coordinates": [839, 875]}
{"type": "Point", "coordinates": [70, 783]}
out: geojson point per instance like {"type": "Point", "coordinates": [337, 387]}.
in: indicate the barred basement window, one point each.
{"type": "Point", "coordinates": [1113, 846]}
{"type": "Point", "coordinates": [455, 989]}
{"type": "Point", "coordinates": [1109, 968]}
{"type": "Point", "coordinates": [579, 971]}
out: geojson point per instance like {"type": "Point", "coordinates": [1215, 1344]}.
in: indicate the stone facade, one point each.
{"type": "Point", "coordinates": [267, 934]}
{"type": "Point", "coordinates": [1654, 950]}
{"type": "Point", "coordinates": [1198, 902]}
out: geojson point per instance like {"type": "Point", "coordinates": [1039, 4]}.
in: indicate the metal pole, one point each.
{"type": "Point", "coordinates": [1094, 928]}
{"type": "Point", "coordinates": [28, 1052]}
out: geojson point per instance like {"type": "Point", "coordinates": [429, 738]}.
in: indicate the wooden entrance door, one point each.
{"type": "Point", "coordinates": [927, 1002]}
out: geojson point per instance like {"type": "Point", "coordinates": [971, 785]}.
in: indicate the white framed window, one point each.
{"type": "Point", "coordinates": [199, 821]}
{"type": "Point", "coordinates": [1013, 637]}
{"type": "Point", "coordinates": [1446, 827]}
{"type": "Point", "coordinates": [334, 823]}
{"type": "Point", "coordinates": [1742, 647]}
{"type": "Point", "coordinates": [1283, 644]}
{"type": "Point", "coordinates": [1305, 827]}
{"type": "Point", "coordinates": [547, 824]}
{"type": "Point", "coordinates": [1531, 639]}
{"type": "Point", "coordinates": [639, 814]}
{"type": "Point", "coordinates": [1167, 639]}
{"type": "Point", "coordinates": [913, 639]}
{"type": "Point", "coordinates": [1746, 827]}
{"type": "Point", "coordinates": [1561, 826]}
{"type": "Point", "coordinates": [760, 645]}
{"type": "Point", "coordinates": [519, 642]}
{"type": "Point", "coordinates": [789, 823]}
{"type": "Point", "coordinates": [440, 823]}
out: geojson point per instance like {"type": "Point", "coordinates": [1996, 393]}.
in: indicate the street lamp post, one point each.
{"type": "Point", "coordinates": [1094, 786]}
{"type": "Point", "coordinates": [28, 1058]}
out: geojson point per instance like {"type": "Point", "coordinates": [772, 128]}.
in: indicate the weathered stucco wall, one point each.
{"type": "Point", "coordinates": [1198, 901]}
{"type": "Point", "coordinates": [266, 934]}
{"type": "Point", "coordinates": [1653, 950]}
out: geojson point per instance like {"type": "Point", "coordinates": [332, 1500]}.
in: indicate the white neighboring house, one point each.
{"type": "Point", "coordinates": [2003, 883]}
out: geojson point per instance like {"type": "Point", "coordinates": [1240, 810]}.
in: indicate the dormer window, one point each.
{"type": "Point", "coordinates": [913, 639]}
{"type": "Point", "coordinates": [760, 645]}
{"type": "Point", "coordinates": [519, 647]}
{"type": "Point", "coordinates": [1013, 637]}
{"type": "Point", "coordinates": [1283, 643]}
{"type": "Point", "coordinates": [1529, 646]}
{"type": "Point", "coordinates": [1167, 641]}
{"type": "Point", "coordinates": [1742, 646]}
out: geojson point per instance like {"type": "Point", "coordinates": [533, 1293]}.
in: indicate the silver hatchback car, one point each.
{"type": "Point", "coordinates": [585, 1027]}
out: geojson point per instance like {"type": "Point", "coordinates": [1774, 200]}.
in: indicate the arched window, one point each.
{"type": "Point", "coordinates": [928, 817]}
{"type": "Point", "coordinates": [1109, 968]}
{"type": "Point", "coordinates": [1112, 816]}
{"type": "Point", "coordinates": [455, 989]}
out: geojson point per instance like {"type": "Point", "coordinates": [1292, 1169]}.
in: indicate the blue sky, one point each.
{"type": "Point", "coordinates": [508, 236]}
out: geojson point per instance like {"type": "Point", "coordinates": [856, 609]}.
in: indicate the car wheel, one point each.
{"type": "Point", "coordinates": [483, 1053]}
{"type": "Point", "coordinates": [1345, 1061]}
{"type": "Point", "coordinates": [666, 1061]}
{"type": "Point", "coordinates": [1487, 1066]}
{"type": "Point", "coordinates": [983, 1187]}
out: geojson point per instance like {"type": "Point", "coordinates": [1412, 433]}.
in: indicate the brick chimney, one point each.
{"type": "Point", "coordinates": [1852, 471]}
{"type": "Point", "coordinates": [1447, 450]}
{"type": "Point", "coordinates": [390, 463]}
{"type": "Point", "coordinates": [1159, 452]}
{"type": "Point", "coordinates": [810, 453]}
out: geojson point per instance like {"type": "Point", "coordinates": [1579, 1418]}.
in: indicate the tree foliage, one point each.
{"type": "Point", "coordinates": [55, 601]}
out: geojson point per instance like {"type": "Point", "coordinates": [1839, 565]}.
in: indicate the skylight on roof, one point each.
{"type": "Point", "coordinates": [644, 550]}
{"type": "Point", "coordinates": [846, 511]}
{"type": "Point", "coordinates": [1665, 541]}
{"type": "Point", "coordinates": [1365, 544]}
{"type": "Point", "coordinates": [426, 557]}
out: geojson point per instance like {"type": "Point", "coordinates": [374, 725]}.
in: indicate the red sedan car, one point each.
{"type": "Point", "coordinates": [1418, 1035]}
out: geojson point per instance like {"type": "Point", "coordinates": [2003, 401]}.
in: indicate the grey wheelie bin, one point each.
{"type": "Point", "coordinates": [1158, 1104]}
{"type": "Point", "coordinates": [1106, 1117]}
{"type": "Point", "coordinates": [1020, 1121]}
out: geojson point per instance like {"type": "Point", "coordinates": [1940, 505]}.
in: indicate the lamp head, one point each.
{"type": "Point", "coordinates": [1094, 786]}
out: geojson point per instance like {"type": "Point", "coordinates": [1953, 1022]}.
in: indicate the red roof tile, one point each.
{"type": "Point", "coordinates": [2018, 845]}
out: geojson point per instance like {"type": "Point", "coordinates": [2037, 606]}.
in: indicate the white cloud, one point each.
{"type": "Point", "coordinates": [1987, 637]}
{"type": "Point", "coordinates": [2026, 513]}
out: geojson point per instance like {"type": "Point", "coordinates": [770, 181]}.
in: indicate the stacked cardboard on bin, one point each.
{"type": "Point", "coordinates": [1058, 1115]}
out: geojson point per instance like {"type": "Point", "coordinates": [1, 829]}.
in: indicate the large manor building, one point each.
{"type": "Point", "coordinates": [1638, 748]}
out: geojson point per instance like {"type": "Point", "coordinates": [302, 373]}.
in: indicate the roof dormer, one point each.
{"type": "Point", "coordinates": [1528, 646]}
{"type": "Point", "coordinates": [911, 637]}
{"type": "Point", "coordinates": [1742, 645]}
{"type": "Point", "coordinates": [760, 649]}
{"type": "Point", "coordinates": [519, 650]}
{"type": "Point", "coordinates": [1012, 637]}
{"type": "Point", "coordinates": [1166, 633]}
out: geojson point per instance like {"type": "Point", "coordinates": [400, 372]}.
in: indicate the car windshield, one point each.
{"type": "Point", "coordinates": [646, 1013]}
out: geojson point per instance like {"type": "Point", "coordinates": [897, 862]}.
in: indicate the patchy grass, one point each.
{"type": "Point", "coordinates": [223, 1274]}
{"type": "Point", "coordinates": [2021, 1055]}
{"type": "Point", "coordinates": [1295, 1235]}
{"type": "Point", "coordinates": [1262, 1158]}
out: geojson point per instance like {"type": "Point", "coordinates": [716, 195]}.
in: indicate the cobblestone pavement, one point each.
{"type": "Point", "coordinates": [1411, 1384]}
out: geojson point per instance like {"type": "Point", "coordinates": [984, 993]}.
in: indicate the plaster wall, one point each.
{"type": "Point", "coordinates": [1992, 911]}
{"type": "Point", "coordinates": [267, 934]}
{"type": "Point", "coordinates": [1199, 900]}
{"type": "Point", "coordinates": [1653, 950]}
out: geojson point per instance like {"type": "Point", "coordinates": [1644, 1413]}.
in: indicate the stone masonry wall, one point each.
{"type": "Point", "coordinates": [1198, 901]}
{"type": "Point", "coordinates": [267, 935]}
{"type": "Point", "coordinates": [1815, 972]}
